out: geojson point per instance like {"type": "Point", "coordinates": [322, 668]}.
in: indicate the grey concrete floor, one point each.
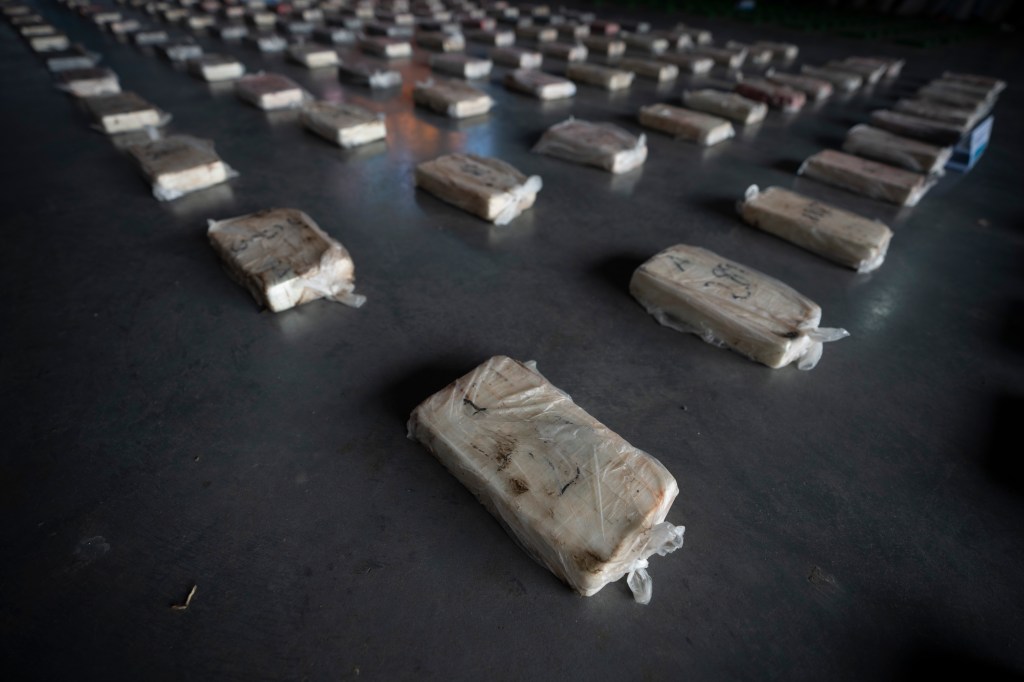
{"type": "Point", "coordinates": [860, 521]}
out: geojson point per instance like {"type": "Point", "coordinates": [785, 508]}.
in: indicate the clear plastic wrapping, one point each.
{"type": "Point", "coordinates": [346, 125]}
{"type": "Point", "coordinates": [124, 112]}
{"type": "Point", "coordinates": [870, 178]}
{"type": "Point", "coordinates": [270, 91]}
{"type": "Point", "coordinates": [695, 291]}
{"type": "Point", "coordinates": [603, 145]}
{"type": "Point", "coordinates": [730, 105]}
{"type": "Point", "coordinates": [486, 187]}
{"type": "Point", "coordinates": [606, 77]}
{"type": "Point", "coordinates": [880, 145]}
{"type": "Point", "coordinates": [840, 236]}
{"type": "Point", "coordinates": [454, 99]}
{"type": "Point", "coordinates": [284, 259]}
{"type": "Point", "coordinates": [576, 496]}
{"type": "Point", "coordinates": [704, 129]}
{"type": "Point", "coordinates": [179, 164]}
{"type": "Point", "coordinates": [539, 84]}
{"type": "Point", "coordinates": [774, 95]}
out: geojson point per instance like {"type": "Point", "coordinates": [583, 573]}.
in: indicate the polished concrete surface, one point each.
{"type": "Point", "coordinates": [860, 521]}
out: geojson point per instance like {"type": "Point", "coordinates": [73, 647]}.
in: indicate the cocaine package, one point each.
{"type": "Point", "coordinates": [881, 145]}
{"type": "Point", "coordinates": [123, 112]}
{"type": "Point", "coordinates": [576, 496]}
{"type": "Point", "coordinates": [539, 84]}
{"type": "Point", "coordinates": [815, 88]}
{"type": "Point", "coordinates": [924, 129]}
{"type": "Point", "coordinates": [728, 105]}
{"type": "Point", "coordinates": [687, 62]}
{"type": "Point", "coordinates": [346, 125]}
{"type": "Point", "coordinates": [486, 187]}
{"type": "Point", "coordinates": [566, 51]}
{"type": "Point", "coordinates": [270, 91]}
{"type": "Point", "coordinates": [965, 118]}
{"type": "Point", "coordinates": [389, 48]}
{"type": "Point", "coordinates": [693, 126]}
{"type": "Point", "coordinates": [870, 178]}
{"type": "Point", "coordinates": [284, 259]}
{"type": "Point", "coordinates": [840, 236]}
{"type": "Point", "coordinates": [313, 56]}
{"type": "Point", "coordinates": [369, 75]}
{"type": "Point", "coordinates": [774, 95]}
{"type": "Point", "coordinates": [844, 81]}
{"type": "Point", "coordinates": [649, 68]}
{"type": "Point", "coordinates": [603, 145]}
{"type": "Point", "coordinates": [214, 68]}
{"type": "Point", "coordinates": [516, 57]}
{"type": "Point", "coordinates": [454, 99]}
{"type": "Point", "coordinates": [441, 41]}
{"type": "Point", "coordinates": [871, 72]}
{"type": "Point", "coordinates": [461, 65]}
{"type": "Point", "coordinates": [88, 82]}
{"type": "Point", "coordinates": [180, 164]}
{"type": "Point", "coordinates": [695, 291]}
{"type": "Point", "coordinates": [605, 77]}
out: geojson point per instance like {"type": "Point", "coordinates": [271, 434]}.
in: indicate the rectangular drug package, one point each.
{"type": "Point", "coordinates": [758, 56]}
{"type": "Point", "coordinates": [603, 145]}
{"type": "Point", "coordinates": [539, 84]}
{"type": "Point", "coordinates": [924, 129]}
{"type": "Point", "coordinates": [580, 500]}
{"type": "Point", "coordinates": [815, 88]}
{"type": "Point", "coordinates": [370, 75]}
{"type": "Point", "coordinates": [606, 77]}
{"type": "Point", "coordinates": [454, 99]}
{"type": "Point", "coordinates": [870, 178]}
{"type": "Point", "coordinates": [75, 57]}
{"type": "Point", "coordinates": [728, 105]}
{"type": "Point", "coordinates": [270, 91]}
{"type": "Point", "coordinates": [123, 112]}
{"type": "Point", "coordinates": [695, 291]}
{"type": "Point", "coordinates": [566, 51]}
{"type": "Point", "coordinates": [181, 50]}
{"type": "Point", "coordinates": [180, 164]}
{"type": "Point", "coordinates": [780, 51]}
{"type": "Point", "coordinates": [346, 125]}
{"type": "Point", "coordinates": [649, 68]}
{"type": "Point", "coordinates": [517, 57]}
{"type": "Point", "coordinates": [690, 63]}
{"type": "Point", "coordinates": [776, 96]}
{"type": "Point", "coordinates": [215, 68]}
{"type": "Point", "coordinates": [871, 73]}
{"type": "Point", "coordinates": [840, 236]}
{"type": "Point", "coordinates": [893, 66]}
{"type": "Point", "coordinates": [844, 81]}
{"type": "Point", "coordinates": [498, 38]}
{"type": "Point", "coordinates": [390, 48]}
{"type": "Point", "coordinates": [724, 57]}
{"type": "Point", "coordinates": [267, 42]}
{"type": "Point", "coordinates": [646, 43]}
{"type": "Point", "coordinates": [486, 187]}
{"type": "Point", "coordinates": [461, 65]}
{"type": "Point", "coordinates": [993, 84]}
{"type": "Point", "coordinates": [284, 259]}
{"type": "Point", "coordinates": [89, 82]}
{"type": "Point", "coordinates": [53, 42]}
{"type": "Point", "coordinates": [313, 56]}
{"type": "Point", "coordinates": [441, 41]}
{"type": "Point", "coordinates": [966, 118]}
{"type": "Point", "coordinates": [881, 145]}
{"type": "Point", "coordinates": [956, 97]}
{"type": "Point", "coordinates": [605, 46]}
{"type": "Point", "coordinates": [979, 93]}
{"type": "Point", "coordinates": [704, 129]}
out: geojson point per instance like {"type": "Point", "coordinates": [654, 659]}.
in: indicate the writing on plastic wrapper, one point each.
{"type": "Point", "coordinates": [576, 496]}
{"type": "Point", "coordinates": [696, 291]}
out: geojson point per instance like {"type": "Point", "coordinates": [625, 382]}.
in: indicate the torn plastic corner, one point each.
{"type": "Point", "coordinates": [665, 538]}
{"type": "Point", "coordinates": [517, 197]}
